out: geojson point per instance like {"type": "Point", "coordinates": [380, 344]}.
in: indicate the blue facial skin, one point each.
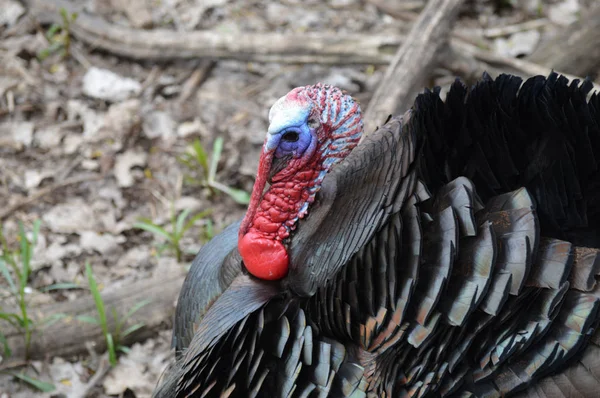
{"type": "Point", "coordinates": [294, 141]}
{"type": "Point", "coordinates": [291, 136]}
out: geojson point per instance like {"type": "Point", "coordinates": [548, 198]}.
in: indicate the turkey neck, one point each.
{"type": "Point", "coordinates": [286, 201]}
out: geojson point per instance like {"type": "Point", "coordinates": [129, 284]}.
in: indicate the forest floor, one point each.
{"type": "Point", "coordinates": [92, 143]}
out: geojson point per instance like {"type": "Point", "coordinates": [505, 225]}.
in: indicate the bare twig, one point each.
{"type": "Point", "coordinates": [13, 364]}
{"type": "Point", "coordinates": [525, 67]}
{"type": "Point", "coordinates": [413, 61]}
{"type": "Point", "coordinates": [72, 165]}
{"type": "Point", "coordinates": [492, 33]}
{"type": "Point", "coordinates": [195, 80]}
{"type": "Point", "coordinates": [4, 213]}
{"type": "Point", "coordinates": [101, 372]}
{"type": "Point", "coordinates": [89, 347]}
{"type": "Point", "coordinates": [399, 10]}
{"type": "Point", "coordinates": [26, 107]}
{"type": "Point", "coordinates": [151, 78]}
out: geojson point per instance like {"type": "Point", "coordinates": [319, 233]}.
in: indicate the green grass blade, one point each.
{"type": "Point", "coordinates": [155, 229]}
{"type": "Point", "coordinates": [118, 324]}
{"type": "Point", "coordinates": [124, 349]}
{"type": "Point", "coordinates": [209, 230]}
{"type": "Point", "coordinates": [240, 196]}
{"type": "Point", "coordinates": [214, 160]}
{"type": "Point", "coordinates": [12, 318]}
{"type": "Point", "coordinates": [112, 353]}
{"type": "Point", "coordinates": [25, 256]}
{"type": "Point", "coordinates": [186, 160]}
{"type": "Point", "coordinates": [6, 274]}
{"type": "Point", "coordinates": [43, 54]}
{"type": "Point", "coordinates": [97, 298]}
{"type": "Point", "coordinates": [201, 156]}
{"type": "Point", "coordinates": [35, 232]}
{"type": "Point", "coordinates": [52, 319]}
{"type": "Point", "coordinates": [191, 181]}
{"type": "Point", "coordinates": [146, 220]}
{"type": "Point", "coordinates": [61, 286]}
{"type": "Point", "coordinates": [65, 15]}
{"type": "Point", "coordinates": [178, 230]}
{"type": "Point", "coordinates": [4, 342]}
{"type": "Point", "coordinates": [38, 384]}
{"type": "Point", "coordinates": [132, 329]}
{"type": "Point", "coordinates": [161, 248]}
{"type": "Point", "coordinates": [195, 218]}
{"type": "Point", "coordinates": [52, 30]}
{"type": "Point", "coordinates": [88, 319]}
{"type": "Point", "coordinates": [136, 308]}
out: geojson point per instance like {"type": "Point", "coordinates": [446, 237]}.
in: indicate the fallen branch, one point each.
{"type": "Point", "coordinates": [399, 10]}
{"type": "Point", "coordinates": [163, 44]}
{"type": "Point", "coordinates": [195, 80]}
{"type": "Point", "coordinates": [4, 213]}
{"type": "Point", "coordinates": [469, 61]}
{"type": "Point", "coordinates": [101, 372]}
{"type": "Point", "coordinates": [519, 66]}
{"type": "Point", "coordinates": [575, 49]}
{"type": "Point", "coordinates": [68, 336]}
{"type": "Point", "coordinates": [492, 33]}
{"type": "Point", "coordinates": [413, 62]}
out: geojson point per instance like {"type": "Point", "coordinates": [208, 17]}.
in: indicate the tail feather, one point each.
{"type": "Point", "coordinates": [504, 134]}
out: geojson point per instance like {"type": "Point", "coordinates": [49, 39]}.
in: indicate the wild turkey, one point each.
{"type": "Point", "coordinates": [453, 252]}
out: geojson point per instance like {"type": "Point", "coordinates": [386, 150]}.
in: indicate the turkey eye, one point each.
{"type": "Point", "coordinates": [313, 123]}
{"type": "Point", "coordinates": [291, 136]}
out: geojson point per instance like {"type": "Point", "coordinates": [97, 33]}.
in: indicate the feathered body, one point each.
{"type": "Point", "coordinates": [453, 252]}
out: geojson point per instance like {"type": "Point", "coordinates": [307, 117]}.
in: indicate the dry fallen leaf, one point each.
{"type": "Point", "coordinates": [103, 244]}
{"type": "Point", "coordinates": [107, 85]}
{"type": "Point", "coordinates": [70, 217]}
{"type": "Point", "coordinates": [123, 164]}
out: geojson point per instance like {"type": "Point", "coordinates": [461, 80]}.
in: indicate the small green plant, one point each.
{"type": "Point", "coordinates": [59, 36]}
{"type": "Point", "coordinates": [179, 226]}
{"type": "Point", "coordinates": [15, 268]}
{"type": "Point", "coordinates": [113, 337]}
{"type": "Point", "coordinates": [205, 173]}
{"type": "Point", "coordinates": [19, 262]}
{"type": "Point", "coordinates": [208, 232]}
{"type": "Point", "coordinates": [42, 386]}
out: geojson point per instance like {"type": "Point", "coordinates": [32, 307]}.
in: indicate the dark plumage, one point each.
{"type": "Point", "coordinates": [453, 252]}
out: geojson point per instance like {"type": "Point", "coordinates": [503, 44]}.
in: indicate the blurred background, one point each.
{"type": "Point", "coordinates": [130, 133]}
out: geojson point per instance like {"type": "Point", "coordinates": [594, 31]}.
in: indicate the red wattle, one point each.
{"type": "Point", "coordinates": [263, 257]}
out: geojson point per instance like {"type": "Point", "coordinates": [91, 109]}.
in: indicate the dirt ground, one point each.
{"type": "Point", "coordinates": [91, 143]}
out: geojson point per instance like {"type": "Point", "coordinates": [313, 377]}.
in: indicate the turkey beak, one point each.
{"type": "Point", "coordinates": [277, 165]}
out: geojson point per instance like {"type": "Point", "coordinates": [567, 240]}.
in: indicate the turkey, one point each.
{"type": "Point", "coordinates": [453, 252]}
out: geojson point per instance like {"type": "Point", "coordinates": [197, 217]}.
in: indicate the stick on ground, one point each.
{"type": "Point", "coordinates": [68, 336]}
{"type": "Point", "coordinates": [413, 62]}
{"type": "Point", "coordinates": [575, 49]}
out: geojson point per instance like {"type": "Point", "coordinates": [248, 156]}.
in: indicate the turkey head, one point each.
{"type": "Point", "coordinates": [311, 129]}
